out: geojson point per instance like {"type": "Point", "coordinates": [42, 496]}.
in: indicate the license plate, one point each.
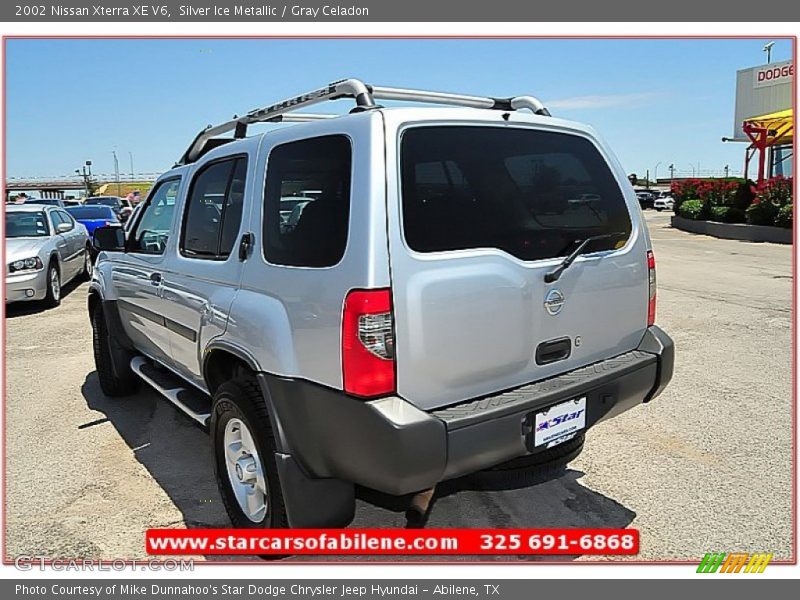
{"type": "Point", "coordinates": [559, 423]}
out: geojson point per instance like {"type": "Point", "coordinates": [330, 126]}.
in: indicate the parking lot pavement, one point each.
{"type": "Point", "coordinates": [705, 467]}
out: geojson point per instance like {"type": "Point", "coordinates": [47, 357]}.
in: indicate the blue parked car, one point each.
{"type": "Point", "coordinates": [92, 217]}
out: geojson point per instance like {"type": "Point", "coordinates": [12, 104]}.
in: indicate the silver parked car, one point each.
{"type": "Point", "coordinates": [45, 249]}
{"type": "Point", "coordinates": [442, 305]}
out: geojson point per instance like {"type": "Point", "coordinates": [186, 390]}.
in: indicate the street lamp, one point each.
{"type": "Point", "coordinates": [130, 155]}
{"type": "Point", "coordinates": [655, 172]}
{"type": "Point", "coordinates": [671, 172]}
{"type": "Point", "coordinates": [86, 173]}
{"type": "Point", "coordinates": [116, 171]}
{"type": "Point", "coordinates": [768, 50]}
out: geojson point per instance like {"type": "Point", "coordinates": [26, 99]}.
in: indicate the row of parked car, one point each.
{"type": "Point", "coordinates": [48, 244]}
{"type": "Point", "coordinates": [657, 199]}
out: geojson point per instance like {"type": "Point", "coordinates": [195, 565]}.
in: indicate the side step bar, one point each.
{"type": "Point", "coordinates": [169, 386]}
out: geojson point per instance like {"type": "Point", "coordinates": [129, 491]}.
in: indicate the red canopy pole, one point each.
{"type": "Point", "coordinates": [760, 137]}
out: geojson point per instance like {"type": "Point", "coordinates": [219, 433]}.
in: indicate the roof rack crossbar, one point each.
{"type": "Point", "coordinates": [364, 96]}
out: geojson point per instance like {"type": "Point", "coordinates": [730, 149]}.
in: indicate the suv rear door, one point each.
{"type": "Point", "coordinates": [479, 214]}
{"type": "Point", "coordinates": [202, 274]}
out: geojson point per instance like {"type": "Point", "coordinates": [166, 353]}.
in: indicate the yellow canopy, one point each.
{"type": "Point", "coordinates": [780, 122]}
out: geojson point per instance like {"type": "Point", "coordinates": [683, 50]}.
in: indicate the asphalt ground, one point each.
{"type": "Point", "coordinates": [705, 467]}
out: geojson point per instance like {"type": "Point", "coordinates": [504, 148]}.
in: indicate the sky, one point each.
{"type": "Point", "coordinates": [654, 101]}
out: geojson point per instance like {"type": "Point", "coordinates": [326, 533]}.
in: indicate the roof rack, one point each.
{"type": "Point", "coordinates": [364, 96]}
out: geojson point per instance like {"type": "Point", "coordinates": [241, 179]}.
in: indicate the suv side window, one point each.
{"type": "Point", "coordinates": [150, 234]}
{"type": "Point", "coordinates": [307, 202]}
{"type": "Point", "coordinates": [214, 209]}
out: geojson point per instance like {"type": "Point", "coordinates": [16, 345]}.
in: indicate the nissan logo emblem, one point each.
{"type": "Point", "coordinates": [554, 301]}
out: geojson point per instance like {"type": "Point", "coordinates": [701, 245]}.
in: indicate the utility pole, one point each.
{"type": "Point", "coordinates": [86, 173]}
{"type": "Point", "coordinates": [116, 171]}
{"type": "Point", "coordinates": [647, 179]}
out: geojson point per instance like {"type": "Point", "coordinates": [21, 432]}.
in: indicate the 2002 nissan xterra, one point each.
{"type": "Point", "coordinates": [389, 298]}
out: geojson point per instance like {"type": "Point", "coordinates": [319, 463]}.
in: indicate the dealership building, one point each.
{"type": "Point", "coordinates": [764, 119]}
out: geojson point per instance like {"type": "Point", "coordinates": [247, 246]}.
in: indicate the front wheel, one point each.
{"type": "Point", "coordinates": [112, 365]}
{"type": "Point", "coordinates": [88, 265]}
{"type": "Point", "coordinates": [52, 297]}
{"type": "Point", "coordinates": [244, 456]}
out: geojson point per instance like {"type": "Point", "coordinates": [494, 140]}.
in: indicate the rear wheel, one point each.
{"type": "Point", "coordinates": [244, 456]}
{"type": "Point", "coordinates": [53, 296]}
{"type": "Point", "coordinates": [113, 367]}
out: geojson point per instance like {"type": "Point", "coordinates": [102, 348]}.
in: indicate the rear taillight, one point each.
{"type": "Point", "coordinates": [651, 274]}
{"type": "Point", "coordinates": [368, 365]}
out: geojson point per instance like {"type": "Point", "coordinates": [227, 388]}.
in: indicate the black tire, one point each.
{"type": "Point", "coordinates": [241, 399]}
{"type": "Point", "coordinates": [53, 296]}
{"type": "Point", "coordinates": [121, 381]}
{"type": "Point", "coordinates": [88, 265]}
{"type": "Point", "coordinates": [534, 468]}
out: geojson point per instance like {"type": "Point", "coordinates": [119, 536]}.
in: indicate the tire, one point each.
{"type": "Point", "coordinates": [114, 383]}
{"type": "Point", "coordinates": [534, 468]}
{"type": "Point", "coordinates": [659, 209]}
{"type": "Point", "coordinates": [53, 296]}
{"type": "Point", "coordinates": [238, 403]}
{"type": "Point", "coordinates": [88, 265]}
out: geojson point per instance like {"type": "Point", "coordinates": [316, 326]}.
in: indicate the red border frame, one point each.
{"type": "Point", "coordinates": [792, 38]}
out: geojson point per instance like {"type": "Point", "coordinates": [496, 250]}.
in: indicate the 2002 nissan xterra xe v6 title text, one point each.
{"type": "Point", "coordinates": [389, 298]}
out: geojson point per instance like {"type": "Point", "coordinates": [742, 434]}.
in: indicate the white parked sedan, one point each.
{"type": "Point", "coordinates": [45, 249]}
{"type": "Point", "coordinates": [664, 203]}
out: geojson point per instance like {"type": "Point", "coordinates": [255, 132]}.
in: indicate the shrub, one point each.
{"type": "Point", "coordinates": [777, 190]}
{"type": "Point", "coordinates": [761, 213]}
{"type": "Point", "coordinates": [682, 191]}
{"type": "Point", "coordinates": [693, 209]}
{"type": "Point", "coordinates": [784, 217]}
{"type": "Point", "coordinates": [727, 214]}
{"type": "Point", "coordinates": [713, 192]}
{"type": "Point", "coordinates": [744, 196]}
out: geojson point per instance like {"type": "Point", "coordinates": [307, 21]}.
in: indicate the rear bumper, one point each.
{"type": "Point", "coordinates": [391, 446]}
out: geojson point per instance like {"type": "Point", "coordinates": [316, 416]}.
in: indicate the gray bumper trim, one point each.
{"type": "Point", "coordinates": [391, 446]}
{"type": "Point", "coordinates": [542, 393]}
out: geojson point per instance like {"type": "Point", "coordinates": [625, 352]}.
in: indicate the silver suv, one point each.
{"type": "Point", "coordinates": [461, 289]}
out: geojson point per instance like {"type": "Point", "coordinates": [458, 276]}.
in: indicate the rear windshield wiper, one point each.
{"type": "Point", "coordinates": [553, 275]}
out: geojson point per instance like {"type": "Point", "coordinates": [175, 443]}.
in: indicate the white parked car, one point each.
{"type": "Point", "coordinates": [45, 249]}
{"type": "Point", "coordinates": [665, 203]}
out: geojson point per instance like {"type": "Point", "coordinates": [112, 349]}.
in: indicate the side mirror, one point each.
{"type": "Point", "coordinates": [110, 238]}
{"type": "Point", "coordinates": [63, 227]}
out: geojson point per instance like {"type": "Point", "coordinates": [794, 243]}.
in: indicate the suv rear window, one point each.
{"type": "Point", "coordinates": [529, 193]}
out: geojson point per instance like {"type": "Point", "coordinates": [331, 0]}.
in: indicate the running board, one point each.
{"type": "Point", "coordinates": [188, 401]}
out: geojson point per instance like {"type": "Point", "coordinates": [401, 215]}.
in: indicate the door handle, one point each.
{"type": "Point", "coordinates": [246, 243]}
{"type": "Point", "coordinates": [156, 278]}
